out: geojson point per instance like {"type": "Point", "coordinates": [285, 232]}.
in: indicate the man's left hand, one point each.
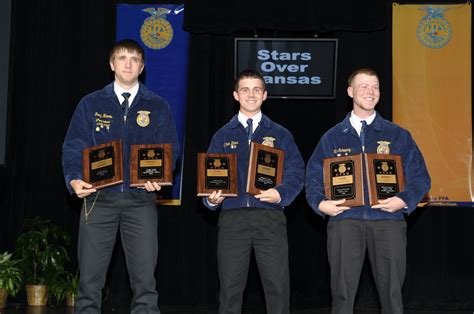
{"type": "Point", "coordinates": [391, 204]}
{"type": "Point", "coordinates": [270, 196]}
{"type": "Point", "coordinates": [152, 186]}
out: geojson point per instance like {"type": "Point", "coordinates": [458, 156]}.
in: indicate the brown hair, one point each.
{"type": "Point", "coordinates": [128, 45]}
{"type": "Point", "coordinates": [249, 73]}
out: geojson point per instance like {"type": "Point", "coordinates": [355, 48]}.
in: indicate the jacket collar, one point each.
{"type": "Point", "coordinates": [346, 127]}
{"type": "Point", "coordinates": [108, 92]}
{"type": "Point", "coordinates": [234, 122]}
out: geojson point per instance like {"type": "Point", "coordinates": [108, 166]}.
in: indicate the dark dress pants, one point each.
{"type": "Point", "coordinates": [385, 241]}
{"type": "Point", "coordinates": [135, 215]}
{"type": "Point", "coordinates": [264, 230]}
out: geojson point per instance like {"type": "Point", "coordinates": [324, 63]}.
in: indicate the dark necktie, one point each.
{"type": "Point", "coordinates": [249, 129]}
{"type": "Point", "coordinates": [362, 133]}
{"type": "Point", "coordinates": [125, 104]}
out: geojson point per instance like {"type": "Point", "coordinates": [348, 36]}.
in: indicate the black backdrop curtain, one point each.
{"type": "Point", "coordinates": [59, 53]}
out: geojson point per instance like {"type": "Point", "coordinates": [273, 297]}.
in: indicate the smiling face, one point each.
{"type": "Point", "coordinates": [127, 65]}
{"type": "Point", "coordinates": [250, 93]}
{"type": "Point", "coordinates": [365, 93]}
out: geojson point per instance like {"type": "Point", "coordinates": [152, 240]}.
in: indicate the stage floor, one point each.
{"type": "Point", "coordinates": [21, 309]}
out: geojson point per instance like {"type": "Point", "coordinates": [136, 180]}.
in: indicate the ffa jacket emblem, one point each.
{"type": "Point", "coordinates": [143, 118]}
{"type": "Point", "coordinates": [383, 147]}
{"type": "Point", "coordinates": [268, 141]}
{"type": "Point", "coordinates": [156, 32]}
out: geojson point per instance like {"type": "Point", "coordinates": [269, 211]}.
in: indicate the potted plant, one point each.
{"type": "Point", "coordinates": [11, 277]}
{"type": "Point", "coordinates": [41, 249]}
{"type": "Point", "coordinates": [65, 288]}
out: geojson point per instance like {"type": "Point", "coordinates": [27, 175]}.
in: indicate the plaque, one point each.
{"type": "Point", "coordinates": [343, 179]}
{"type": "Point", "coordinates": [102, 165]}
{"type": "Point", "coordinates": [385, 176]}
{"type": "Point", "coordinates": [217, 172]}
{"type": "Point", "coordinates": [151, 162]}
{"type": "Point", "coordinates": [265, 168]}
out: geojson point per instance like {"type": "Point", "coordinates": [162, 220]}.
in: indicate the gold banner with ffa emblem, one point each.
{"type": "Point", "coordinates": [432, 93]}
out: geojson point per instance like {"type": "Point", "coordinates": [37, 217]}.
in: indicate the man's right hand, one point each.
{"type": "Point", "coordinates": [332, 208]}
{"type": "Point", "coordinates": [81, 188]}
{"type": "Point", "coordinates": [215, 198]}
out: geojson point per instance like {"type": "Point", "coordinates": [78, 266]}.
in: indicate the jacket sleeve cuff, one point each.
{"type": "Point", "coordinates": [316, 209]}
{"type": "Point", "coordinates": [283, 196]}
{"type": "Point", "coordinates": [209, 205]}
{"type": "Point", "coordinates": [408, 198]}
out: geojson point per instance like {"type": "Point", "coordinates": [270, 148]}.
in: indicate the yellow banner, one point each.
{"type": "Point", "coordinates": [432, 92]}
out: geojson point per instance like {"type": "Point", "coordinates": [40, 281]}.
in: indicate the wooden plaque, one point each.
{"type": "Point", "coordinates": [384, 175]}
{"type": "Point", "coordinates": [265, 168]}
{"type": "Point", "coordinates": [151, 162]}
{"type": "Point", "coordinates": [217, 172]}
{"type": "Point", "coordinates": [343, 179]}
{"type": "Point", "coordinates": [102, 165]}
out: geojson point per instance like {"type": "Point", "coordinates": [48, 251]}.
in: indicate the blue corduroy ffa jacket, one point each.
{"type": "Point", "coordinates": [232, 138]}
{"type": "Point", "coordinates": [342, 140]}
{"type": "Point", "coordinates": [98, 119]}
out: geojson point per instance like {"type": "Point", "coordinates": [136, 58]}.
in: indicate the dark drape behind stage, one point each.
{"type": "Point", "coordinates": [59, 53]}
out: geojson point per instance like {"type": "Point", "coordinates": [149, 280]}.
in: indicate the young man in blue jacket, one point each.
{"type": "Point", "coordinates": [123, 110]}
{"type": "Point", "coordinates": [249, 221]}
{"type": "Point", "coordinates": [380, 229]}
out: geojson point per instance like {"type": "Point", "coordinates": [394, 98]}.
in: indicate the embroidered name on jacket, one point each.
{"type": "Point", "coordinates": [102, 120]}
{"type": "Point", "coordinates": [342, 151]}
{"type": "Point", "coordinates": [231, 144]}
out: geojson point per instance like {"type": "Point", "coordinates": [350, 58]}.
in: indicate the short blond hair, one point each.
{"type": "Point", "coordinates": [367, 71]}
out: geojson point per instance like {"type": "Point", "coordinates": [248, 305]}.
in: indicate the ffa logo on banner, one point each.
{"type": "Point", "coordinates": [434, 30]}
{"type": "Point", "coordinates": [156, 31]}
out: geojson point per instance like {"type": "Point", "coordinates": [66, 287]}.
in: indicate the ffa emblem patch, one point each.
{"type": "Point", "coordinates": [383, 147]}
{"type": "Point", "coordinates": [434, 31]}
{"type": "Point", "coordinates": [156, 32]}
{"type": "Point", "coordinates": [143, 118]}
{"type": "Point", "coordinates": [268, 141]}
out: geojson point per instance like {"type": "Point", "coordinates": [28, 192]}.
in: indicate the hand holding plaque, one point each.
{"type": "Point", "coordinates": [102, 165]}
{"type": "Point", "coordinates": [343, 179]}
{"type": "Point", "coordinates": [151, 162]}
{"type": "Point", "coordinates": [217, 172]}
{"type": "Point", "coordinates": [265, 168]}
{"type": "Point", "coordinates": [385, 176]}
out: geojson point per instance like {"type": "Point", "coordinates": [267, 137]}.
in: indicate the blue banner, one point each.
{"type": "Point", "coordinates": [159, 29]}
